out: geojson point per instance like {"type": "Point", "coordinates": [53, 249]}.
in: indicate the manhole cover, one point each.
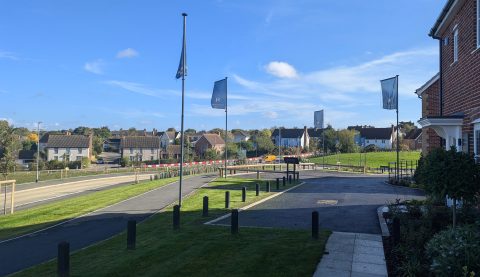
{"type": "Point", "coordinates": [327, 202]}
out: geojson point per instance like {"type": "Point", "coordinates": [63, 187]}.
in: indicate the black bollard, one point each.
{"type": "Point", "coordinates": [227, 199]}
{"type": "Point", "coordinates": [234, 223]}
{"type": "Point", "coordinates": [267, 187]}
{"type": "Point", "coordinates": [284, 181]}
{"type": "Point", "coordinates": [257, 189]}
{"type": "Point", "coordinates": [63, 259]}
{"type": "Point", "coordinates": [289, 179]}
{"type": "Point", "coordinates": [176, 217]}
{"type": "Point", "coordinates": [396, 231]}
{"type": "Point", "coordinates": [278, 184]}
{"type": "Point", "coordinates": [244, 194]}
{"type": "Point", "coordinates": [131, 234]}
{"type": "Point", "coordinates": [315, 225]}
{"type": "Point", "coordinates": [205, 206]}
{"type": "Point", "coordinates": [298, 176]}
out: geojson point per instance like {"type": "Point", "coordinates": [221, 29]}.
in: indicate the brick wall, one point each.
{"type": "Point", "coordinates": [461, 80]}
{"type": "Point", "coordinates": [430, 107]}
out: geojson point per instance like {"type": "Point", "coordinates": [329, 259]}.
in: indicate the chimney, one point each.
{"type": "Point", "coordinates": [68, 133]}
{"type": "Point", "coordinates": [154, 132]}
{"type": "Point", "coordinates": [305, 134]}
{"type": "Point", "coordinates": [144, 132]}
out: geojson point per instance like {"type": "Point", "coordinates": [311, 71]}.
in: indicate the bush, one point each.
{"type": "Point", "coordinates": [86, 162]}
{"type": "Point", "coordinates": [453, 249]}
{"type": "Point", "coordinates": [124, 162]}
{"type": "Point", "coordinates": [371, 148]}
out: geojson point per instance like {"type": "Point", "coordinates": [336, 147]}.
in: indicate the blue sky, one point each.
{"type": "Point", "coordinates": [96, 63]}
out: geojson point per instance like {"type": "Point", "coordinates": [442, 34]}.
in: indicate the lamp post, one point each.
{"type": "Point", "coordinates": [38, 149]}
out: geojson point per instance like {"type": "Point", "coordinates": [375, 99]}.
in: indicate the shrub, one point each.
{"type": "Point", "coordinates": [371, 148]}
{"type": "Point", "coordinates": [124, 162]}
{"type": "Point", "coordinates": [453, 249]}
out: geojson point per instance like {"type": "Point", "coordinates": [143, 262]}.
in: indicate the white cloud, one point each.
{"type": "Point", "coordinates": [95, 67]}
{"type": "Point", "coordinates": [127, 53]}
{"type": "Point", "coordinates": [141, 89]}
{"type": "Point", "coordinates": [281, 69]}
{"type": "Point", "coordinates": [8, 55]}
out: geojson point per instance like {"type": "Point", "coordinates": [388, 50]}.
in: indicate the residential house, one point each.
{"type": "Point", "coordinates": [25, 157]}
{"type": "Point", "coordinates": [140, 148]}
{"type": "Point", "coordinates": [209, 141]}
{"type": "Point", "coordinates": [138, 133]}
{"type": "Point", "coordinates": [382, 138]}
{"type": "Point", "coordinates": [291, 137]}
{"type": "Point", "coordinates": [68, 147]}
{"type": "Point", "coordinates": [413, 139]}
{"type": "Point", "coordinates": [172, 152]}
{"type": "Point", "coordinates": [450, 102]}
{"type": "Point", "coordinates": [239, 136]}
{"type": "Point", "coordinates": [168, 138]}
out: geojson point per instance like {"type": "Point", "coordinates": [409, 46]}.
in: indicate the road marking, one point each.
{"type": "Point", "coordinates": [327, 202]}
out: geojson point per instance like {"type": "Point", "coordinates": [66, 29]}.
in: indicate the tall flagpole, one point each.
{"type": "Point", "coordinates": [183, 107]}
{"type": "Point", "coordinates": [226, 126]}
{"type": "Point", "coordinates": [398, 139]}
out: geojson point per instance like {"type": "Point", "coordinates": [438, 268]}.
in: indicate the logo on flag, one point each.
{"type": "Point", "coordinates": [219, 96]}
{"type": "Point", "coordinates": [183, 57]}
{"type": "Point", "coordinates": [390, 93]}
{"type": "Point", "coordinates": [318, 119]}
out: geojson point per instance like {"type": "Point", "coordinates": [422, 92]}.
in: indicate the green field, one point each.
{"type": "Point", "coordinates": [373, 159]}
{"type": "Point", "coordinates": [29, 220]}
{"type": "Point", "coordinates": [198, 249]}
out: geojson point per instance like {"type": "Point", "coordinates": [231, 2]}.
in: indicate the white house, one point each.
{"type": "Point", "coordinates": [140, 148]}
{"type": "Point", "coordinates": [383, 138]}
{"type": "Point", "coordinates": [168, 138]}
{"type": "Point", "coordinates": [291, 137]}
{"type": "Point", "coordinates": [68, 147]}
{"type": "Point", "coordinates": [239, 136]}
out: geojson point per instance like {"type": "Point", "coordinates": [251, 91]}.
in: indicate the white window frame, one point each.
{"type": "Point", "coordinates": [455, 44]}
{"type": "Point", "coordinates": [80, 150]}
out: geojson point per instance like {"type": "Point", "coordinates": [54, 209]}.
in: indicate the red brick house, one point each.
{"type": "Point", "coordinates": [451, 100]}
{"type": "Point", "coordinates": [209, 141]}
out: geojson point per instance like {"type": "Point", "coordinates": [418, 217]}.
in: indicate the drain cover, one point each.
{"type": "Point", "coordinates": [327, 202]}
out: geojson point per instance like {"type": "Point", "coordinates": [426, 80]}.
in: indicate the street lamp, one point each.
{"type": "Point", "coordinates": [38, 148]}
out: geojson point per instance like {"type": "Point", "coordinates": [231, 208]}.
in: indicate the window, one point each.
{"type": "Point", "coordinates": [68, 150]}
{"type": "Point", "coordinates": [478, 23]}
{"type": "Point", "coordinates": [132, 158]}
{"type": "Point", "coordinates": [152, 151]}
{"type": "Point", "coordinates": [55, 150]}
{"type": "Point", "coordinates": [383, 141]}
{"type": "Point", "coordinates": [79, 158]}
{"type": "Point", "coordinates": [131, 150]}
{"type": "Point", "coordinates": [455, 45]}
{"type": "Point", "coordinates": [151, 158]}
{"type": "Point", "coordinates": [80, 150]}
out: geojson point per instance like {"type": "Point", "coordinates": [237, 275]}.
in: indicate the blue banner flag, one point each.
{"type": "Point", "coordinates": [183, 59]}
{"type": "Point", "coordinates": [318, 119]}
{"type": "Point", "coordinates": [219, 96]}
{"type": "Point", "coordinates": [390, 93]}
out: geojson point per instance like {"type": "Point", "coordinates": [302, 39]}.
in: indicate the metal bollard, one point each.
{"type": "Point", "coordinates": [176, 217]}
{"type": "Point", "coordinates": [278, 184]}
{"type": "Point", "coordinates": [257, 189]}
{"type": "Point", "coordinates": [289, 179]}
{"type": "Point", "coordinates": [298, 176]}
{"type": "Point", "coordinates": [284, 181]}
{"type": "Point", "coordinates": [244, 194]}
{"type": "Point", "coordinates": [315, 225]}
{"type": "Point", "coordinates": [131, 234]}
{"type": "Point", "coordinates": [267, 187]}
{"type": "Point", "coordinates": [227, 199]}
{"type": "Point", "coordinates": [63, 259]}
{"type": "Point", "coordinates": [205, 206]}
{"type": "Point", "coordinates": [234, 223]}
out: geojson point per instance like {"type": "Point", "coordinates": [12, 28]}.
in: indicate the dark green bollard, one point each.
{"type": "Point", "coordinates": [205, 206]}
{"type": "Point", "coordinates": [298, 176]}
{"type": "Point", "coordinates": [257, 189]}
{"type": "Point", "coordinates": [278, 184]}
{"type": "Point", "coordinates": [176, 217]}
{"type": "Point", "coordinates": [131, 234]}
{"type": "Point", "coordinates": [284, 182]}
{"type": "Point", "coordinates": [244, 194]}
{"type": "Point", "coordinates": [289, 179]}
{"type": "Point", "coordinates": [315, 226]}
{"type": "Point", "coordinates": [267, 187]}
{"type": "Point", "coordinates": [227, 199]}
{"type": "Point", "coordinates": [63, 259]}
{"type": "Point", "coordinates": [234, 223]}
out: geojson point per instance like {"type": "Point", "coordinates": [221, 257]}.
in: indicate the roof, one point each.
{"type": "Point", "coordinates": [445, 16]}
{"type": "Point", "coordinates": [44, 138]}
{"type": "Point", "coordinates": [26, 154]}
{"type": "Point", "coordinates": [242, 133]}
{"type": "Point", "coordinates": [428, 84]}
{"type": "Point", "coordinates": [214, 139]}
{"type": "Point", "coordinates": [140, 142]}
{"type": "Point", "coordinates": [68, 141]}
{"type": "Point", "coordinates": [413, 134]}
{"type": "Point", "coordinates": [171, 134]}
{"type": "Point", "coordinates": [288, 133]}
{"type": "Point", "coordinates": [376, 133]}
{"type": "Point", "coordinates": [314, 132]}
{"type": "Point", "coordinates": [174, 149]}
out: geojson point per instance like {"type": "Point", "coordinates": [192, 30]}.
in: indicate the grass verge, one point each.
{"type": "Point", "coordinates": [373, 159]}
{"type": "Point", "coordinates": [29, 220]}
{"type": "Point", "coordinates": [198, 249]}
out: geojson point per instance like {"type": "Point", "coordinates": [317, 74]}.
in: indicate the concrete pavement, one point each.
{"type": "Point", "coordinates": [28, 250]}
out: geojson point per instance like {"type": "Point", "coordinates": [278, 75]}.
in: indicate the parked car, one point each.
{"type": "Point", "coordinates": [100, 161]}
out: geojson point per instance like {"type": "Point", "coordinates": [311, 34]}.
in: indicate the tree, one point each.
{"type": "Point", "coordinates": [232, 150]}
{"type": "Point", "coordinates": [102, 132]}
{"type": "Point", "coordinates": [81, 130]}
{"type": "Point", "coordinates": [190, 131]}
{"type": "Point", "coordinates": [132, 131]}
{"type": "Point", "coordinates": [211, 154]}
{"type": "Point", "coordinates": [264, 141]}
{"type": "Point", "coordinates": [97, 145]}
{"type": "Point", "coordinates": [406, 126]}
{"type": "Point", "coordinates": [346, 141]}
{"type": "Point", "coordinates": [330, 139]}
{"type": "Point", "coordinates": [9, 146]}
{"type": "Point", "coordinates": [247, 145]}
{"type": "Point", "coordinates": [450, 174]}
{"type": "Point", "coordinates": [33, 137]}
{"type": "Point", "coordinates": [171, 129]}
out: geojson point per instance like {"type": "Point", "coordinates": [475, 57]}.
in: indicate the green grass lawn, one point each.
{"type": "Point", "coordinates": [373, 159]}
{"type": "Point", "coordinates": [29, 220]}
{"type": "Point", "coordinates": [198, 249]}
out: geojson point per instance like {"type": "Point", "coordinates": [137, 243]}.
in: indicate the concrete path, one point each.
{"type": "Point", "coordinates": [29, 250]}
{"type": "Point", "coordinates": [352, 254]}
